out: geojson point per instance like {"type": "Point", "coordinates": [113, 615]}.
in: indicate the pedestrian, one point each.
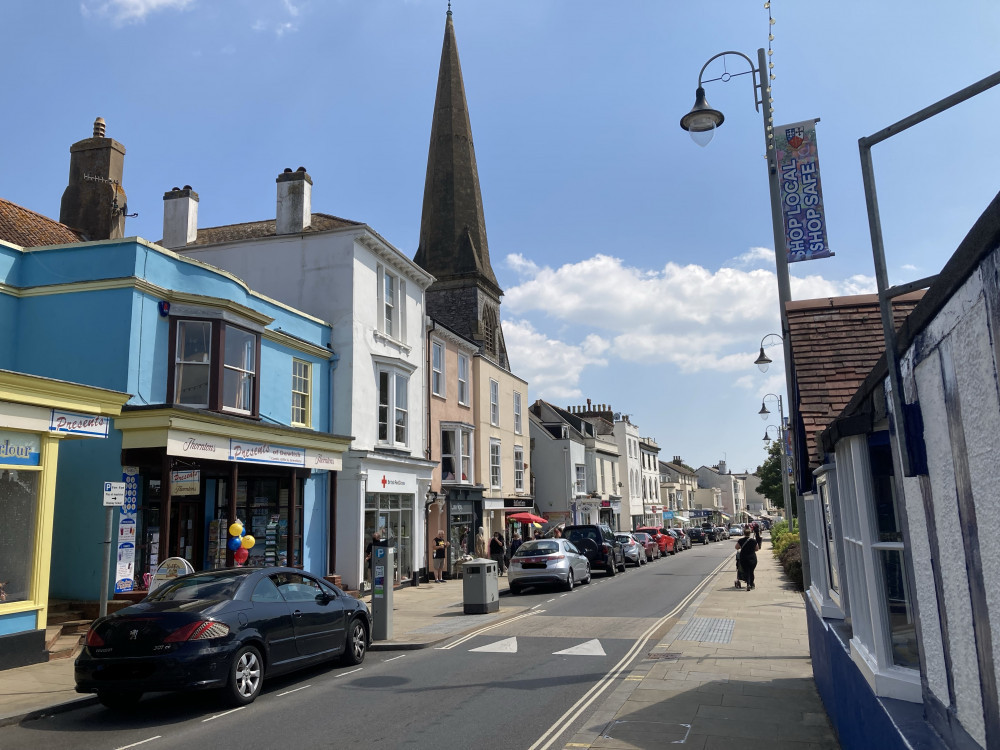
{"type": "Point", "coordinates": [481, 543]}
{"type": "Point", "coordinates": [497, 551]}
{"type": "Point", "coordinates": [747, 556]}
{"type": "Point", "coordinates": [557, 534]}
{"type": "Point", "coordinates": [756, 533]}
{"type": "Point", "coordinates": [515, 542]}
{"type": "Point", "coordinates": [440, 555]}
{"type": "Point", "coordinates": [376, 538]}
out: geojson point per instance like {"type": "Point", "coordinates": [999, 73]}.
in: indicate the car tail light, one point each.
{"type": "Point", "coordinates": [93, 639]}
{"type": "Point", "coordinates": [201, 630]}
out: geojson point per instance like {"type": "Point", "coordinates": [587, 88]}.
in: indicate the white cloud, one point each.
{"type": "Point", "coordinates": [132, 11]}
{"type": "Point", "coordinates": [909, 267]}
{"type": "Point", "coordinates": [755, 256]}
{"type": "Point", "coordinates": [552, 367]}
{"type": "Point", "coordinates": [685, 316]}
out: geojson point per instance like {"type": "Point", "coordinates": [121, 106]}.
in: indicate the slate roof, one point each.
{"type": "Point", "coordinates": [251, 230]}
{"type": "Point", "coordinates": [20, 226]}
{"type": "Point", "coordinates": [836, 342]}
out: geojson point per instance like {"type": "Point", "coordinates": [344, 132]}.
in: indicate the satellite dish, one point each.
{"type": "Point", "coordinates": [617, 416]}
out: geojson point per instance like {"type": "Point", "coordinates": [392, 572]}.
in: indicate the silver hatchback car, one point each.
{"type": "Point", "coordinates": [541, 561]}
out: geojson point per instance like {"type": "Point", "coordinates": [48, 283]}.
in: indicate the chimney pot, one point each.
{"type": "Point", "coordinates": [180, 217]}
{"type": "Point", "coordinates": [287, 170]}
{"type": "Point", "coordinates": [301, 169]}
{"type": "Point", "coordinates": [99, 126]}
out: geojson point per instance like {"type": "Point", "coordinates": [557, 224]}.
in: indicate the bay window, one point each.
{"type": "Point", "coordinates": [456, 453]}
{"type": "Point", "coordinates": [214, 366]}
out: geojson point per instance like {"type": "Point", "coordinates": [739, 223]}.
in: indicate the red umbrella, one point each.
{"type": "Point", "coordinates": [526, 518]}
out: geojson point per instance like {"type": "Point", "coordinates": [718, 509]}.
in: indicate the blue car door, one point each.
{"type": "Point", "coordinates": [273, 619]}
{"type": "Point", "coordinates": [317, 614]}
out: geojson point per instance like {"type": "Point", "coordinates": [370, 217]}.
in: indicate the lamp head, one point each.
{"type": "Point", "coordinates": [763, 411]}
{"type": "Point", "coordinates": [702, 120]}
{"type": "Point", "coordinates": [762, 360]}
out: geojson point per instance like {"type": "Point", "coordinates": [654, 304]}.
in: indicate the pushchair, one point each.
{"type": "Point", "coordinates": [739, 572]}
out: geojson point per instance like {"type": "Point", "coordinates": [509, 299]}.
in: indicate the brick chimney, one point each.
{"type": "Point", "coordinates": [180, 217]}
{"type": "Point", "coordinates": [294, 201]}
{"type": "Point", "coordinates": [94, 201]}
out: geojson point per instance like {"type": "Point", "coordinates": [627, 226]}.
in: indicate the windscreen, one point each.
{"type": "Point", "coordinates": [208, 586]}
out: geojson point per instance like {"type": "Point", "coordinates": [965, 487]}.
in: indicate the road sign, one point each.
{"type": "Point", "coordinates": [114, 494]}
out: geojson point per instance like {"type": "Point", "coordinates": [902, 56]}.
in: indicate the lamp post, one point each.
{"type": "Point", "coordinates": [764, 413]}
{"type": "Point", "coordinates": [701, 122]}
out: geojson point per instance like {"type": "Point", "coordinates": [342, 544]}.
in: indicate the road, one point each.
{"type": "Point", "coordinates": [521, 683]}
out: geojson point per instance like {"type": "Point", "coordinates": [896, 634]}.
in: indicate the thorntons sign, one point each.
{"type": "Point", "coordinates": [245, 451]}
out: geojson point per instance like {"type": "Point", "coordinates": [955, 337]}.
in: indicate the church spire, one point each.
{"type": "Point", "coordinates": [452, 228]}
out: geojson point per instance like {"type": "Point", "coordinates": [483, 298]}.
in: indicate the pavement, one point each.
{"type": "Point", "coordinates": [734, 666]}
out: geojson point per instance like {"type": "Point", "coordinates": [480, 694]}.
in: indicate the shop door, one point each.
{"type": "Point", "coordinates": [185, 532]}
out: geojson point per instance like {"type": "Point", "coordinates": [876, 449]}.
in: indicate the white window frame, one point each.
{"type": "Point", "coordinates": [517, 413]}
{"type": "Point", "coordinates": [518, 468]}
{"type": "Point", "coordinates": [861, 575]}
{"type": "Point", "coordinates": [391, 314]}
{"type": "Point", "coordinates": [437, 369]}
{"type": "Point", "coordinates": [245, 370]}
{"type": "Point", "coordinates": [180, 364]}
{"type": "Point", "coordinates": [580, 479]}
{"type": "Point", "coordinates": [462, 459]}
{"type": "Point", "coordinates": [824, 558]}
{"type": "Point", "coordinates": [398, 383]}
{"type": "Point", "coordinates": [494, 402]}
{"type": "Point", "coordinates": [463, 379]}
{"type": "Point", "coordinates": [496, 477]}
{"type": "Point", "coordinates": [301, 393]}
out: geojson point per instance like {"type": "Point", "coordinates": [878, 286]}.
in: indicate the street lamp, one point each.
{"type": "Point", "coordinates": [782, 432]}
{"type": "Point", "coordinates": [702, 121]}
{"type": "Point", "coordinates": [767, 438]}
{"type": "Point", "coordinates": [763, 360]}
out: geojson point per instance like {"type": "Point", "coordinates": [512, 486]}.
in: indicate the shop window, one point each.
{"type": "Point", "coordinates": [456, 454]}
{"type": "Point", "coordinates": [301, 393]}
{"type": "Point", "coordinates": [391, 515]}
{"type": "Point", "coordinates": [437, 369]}
{"type": "Point", "coordinates": [518, 468]}
{"type": "Point", "coordinates": [19, 513]}
{"type": "Point", "coordinates": [392, 407]}
{"type": "Point", "coordinates": [495, 464]}
{"type": "Point", "coordinates": [463, 380]}
{"type": "Point", "coordinates": [214, 366]}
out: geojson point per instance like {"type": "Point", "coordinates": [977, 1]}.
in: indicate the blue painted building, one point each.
{"type": "Point", "coordinates": [228, 416]}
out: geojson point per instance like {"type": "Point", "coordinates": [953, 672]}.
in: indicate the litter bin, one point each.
{"type": "Point", "coordinates": [480, 587]}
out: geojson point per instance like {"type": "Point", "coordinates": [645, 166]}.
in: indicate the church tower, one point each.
{"type": "Point", "coordinates": [453, 245]}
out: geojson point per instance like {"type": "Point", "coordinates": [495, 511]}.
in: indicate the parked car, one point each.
{"type": "Point", "coordinates": [722, 532]}
{"type": "Point", "coordinates": [712, 532]}
{"type": "Point", "coordinates": [685, 541]}
{"type": "Point", "coordinates": [597, 541]}
{"type": "Point", "coordinates": [633, 551]}
{"type": "Point", "coordinates": [541, 561]}
{"type": "Point", "coordinates": [735, 531]}
{"type": "Point", "coordinates": [697, 535]}
{"type": "Point", "coordinates": [648, 543]}
{"type": "Point", "coordinates": [227, 629]}
{"type": "Point", "coordinates": [665, 541]}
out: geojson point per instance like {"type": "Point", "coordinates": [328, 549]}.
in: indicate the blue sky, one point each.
{"type": "Point", "coordinates": [638, 267]}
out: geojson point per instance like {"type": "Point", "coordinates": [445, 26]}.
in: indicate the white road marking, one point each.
{"type": "Point", "coordinates": [344, 674]}
{"type": "Point", "coordinates": [289, 692]}
{"type": "Point", "coordinates": [473, 634]}
{"type": "Point", "coordinates": [551, 600]}
{"type": "Point", "coordinates": [589, 648]}
{"type": "Point", "coordinates": [224, 713]}
{"type": "Point", "coordinates": [573, 713]}
{"type": "Point", "coordinates": [393, 658]}
{"type": "Point", "coordinates": [141, 742]}
{"type": "Point", "coordinates": [506, 646]}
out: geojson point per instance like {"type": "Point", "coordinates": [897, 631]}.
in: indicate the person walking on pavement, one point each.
{"type": "Point", "coordinates": [481, 543]}
{"type": "Point", "coordinates": [497, 551]}
{"type": "Point", "coordinates": [440, 555]}
{"type": "Point", "coordinates": [747, 555]}
{"type": "Point", "coordinates": [515, 542]}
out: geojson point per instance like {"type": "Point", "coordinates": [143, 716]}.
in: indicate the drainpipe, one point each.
{"type": "Point", "coordinates": [331, 488]}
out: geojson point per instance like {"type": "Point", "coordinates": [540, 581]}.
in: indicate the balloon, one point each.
{"type": "Point", "coordinates": [248, 541]}
{"type": "Point", "coordinates": [243, 530]}
{"type": "Point", "coordinates": [236, 529]}
{"type": "Point", "coordinates": [240, 556]}
{"type": "Point", "coordinates": [234, 543]}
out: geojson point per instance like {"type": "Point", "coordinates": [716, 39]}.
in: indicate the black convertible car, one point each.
{"type": "Point", "coordinates": [223, 629]}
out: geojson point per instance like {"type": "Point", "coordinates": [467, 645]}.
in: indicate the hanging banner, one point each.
{"type": "Point", "coordinates": [801, 194]}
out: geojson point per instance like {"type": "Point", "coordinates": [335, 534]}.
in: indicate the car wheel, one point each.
{"type": "Point", "coordinates": [589, 574]}
{"type": "Point", "coordinates": [246, 676]}
{"type": "Point", "coordinates": [611, 569]}
{"type": "Point", "coordinates": [569, 581]}
{"type": "Point", "coordinates": [515, 590]}
{"type": "Point", "coordinates": [118, 700]}
{"type": "Point", "coordinates": [357, 643]}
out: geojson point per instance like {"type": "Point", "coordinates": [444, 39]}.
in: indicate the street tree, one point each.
{"type": "Point", "coordinates": [769, 474]}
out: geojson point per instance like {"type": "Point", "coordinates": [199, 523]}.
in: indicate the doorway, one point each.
{"type": "Point", "coordinates": [185, 531]}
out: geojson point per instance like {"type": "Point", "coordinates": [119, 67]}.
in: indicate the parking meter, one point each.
{"type": "Point", "coordinates": [383, 567]}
